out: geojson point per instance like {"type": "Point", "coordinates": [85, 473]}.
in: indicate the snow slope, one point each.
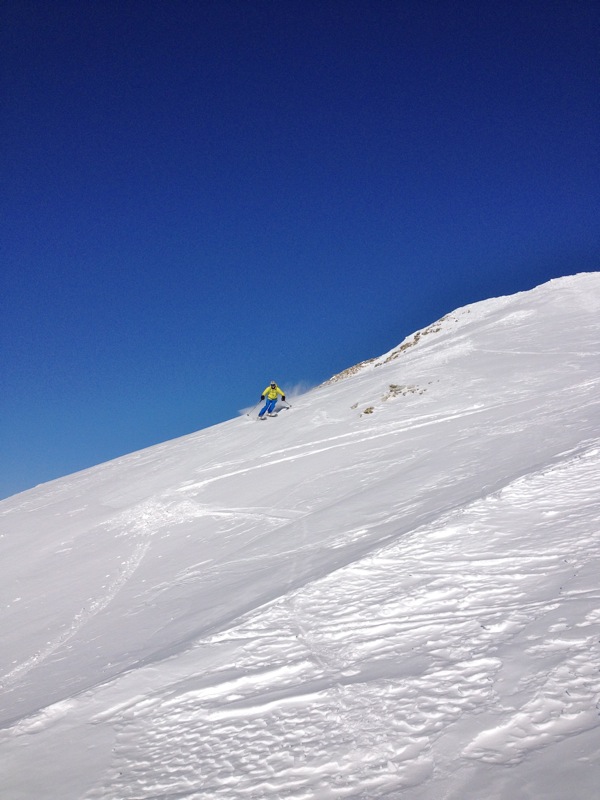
{"type": "Point", "coordinates": [389, 591]}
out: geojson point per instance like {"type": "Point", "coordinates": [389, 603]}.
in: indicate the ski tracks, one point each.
{"type": "Point", "coordinates": [138, 524]}
{"type": "Point", "coordinates": [340, 440]}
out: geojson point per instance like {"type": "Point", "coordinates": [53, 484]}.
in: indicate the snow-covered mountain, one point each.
{"type": "Point", "coordinates": [389, 591]}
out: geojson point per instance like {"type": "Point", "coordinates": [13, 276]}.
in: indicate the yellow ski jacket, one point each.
{"type": "Point", "coordinates": [271, 394]}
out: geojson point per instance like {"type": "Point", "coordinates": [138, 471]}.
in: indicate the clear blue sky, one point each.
{"type": "Point", "coordinates": [200, 196]}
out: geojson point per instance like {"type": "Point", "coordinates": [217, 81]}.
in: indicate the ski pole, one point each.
{"type": "Point", "coordinates": [254, 409]}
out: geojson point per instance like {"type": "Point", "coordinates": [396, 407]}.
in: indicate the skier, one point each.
{"type": "Point", "coordinates": [270, 393]}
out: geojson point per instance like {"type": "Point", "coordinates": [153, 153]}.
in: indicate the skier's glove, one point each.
{"type": "Point", "coordinates": [262, 397]}
{"type": "Point", "coordinates": [283, 397]}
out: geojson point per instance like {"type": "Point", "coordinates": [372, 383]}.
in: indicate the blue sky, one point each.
{"type": "Point", "coordinates": [198, 197]}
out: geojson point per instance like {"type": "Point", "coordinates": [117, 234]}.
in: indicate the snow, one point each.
{"type": "Point", "coordinates": [389, 591]}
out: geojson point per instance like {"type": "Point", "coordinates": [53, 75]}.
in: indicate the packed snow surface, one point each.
{"type": "Point", "coordinates": [391, 590]}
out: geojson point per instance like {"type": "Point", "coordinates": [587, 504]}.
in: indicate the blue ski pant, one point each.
{"type": "Point", "coordinates": [269, 407]}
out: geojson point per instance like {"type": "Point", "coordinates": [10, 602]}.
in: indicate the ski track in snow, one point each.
{"type": "Point", "coordinates": [322, 445]}
{"type": "Point", "coordinates": [142, 522]}
{"type": "Point", "coordinates": [340, 689]}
